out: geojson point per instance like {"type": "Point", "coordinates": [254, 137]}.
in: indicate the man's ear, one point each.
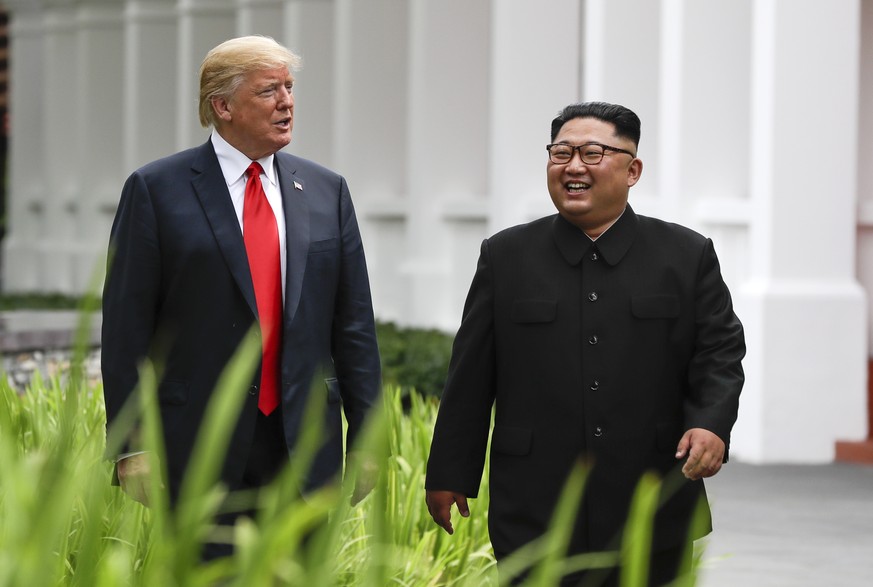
{"type": "Point", "coordinates": [221, 107]}
{"type": "Point", "coordinates": [634, 171]}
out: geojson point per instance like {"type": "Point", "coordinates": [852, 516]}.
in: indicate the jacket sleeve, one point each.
{"type": "Point", "coordinates": [130, 295]}
{"type": "Point", "coordinates": [457, 453]}
{"type": "Point", "coordinates": [715, 372]}
{"type": "Point", "coordinates": [355, 350]}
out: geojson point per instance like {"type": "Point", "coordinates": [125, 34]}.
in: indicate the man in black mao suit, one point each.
{"type": "Point", "coordinates": [179, 287]}
{"type": "Point", "coordinates": [600, 336]}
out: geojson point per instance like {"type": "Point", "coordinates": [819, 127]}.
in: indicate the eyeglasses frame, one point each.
{"type": "Point", "coordinates": [575, 148]}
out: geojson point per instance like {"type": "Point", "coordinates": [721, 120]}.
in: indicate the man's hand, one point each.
{"type": "Point", "coordinates": [439, 504]}
{"type": "Point", "coordinates": [705, 453]}
{"type": "Point", "coordinates": [134, 474]}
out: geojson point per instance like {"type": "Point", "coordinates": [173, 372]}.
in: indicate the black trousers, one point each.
{"type": "Point", "coordinates": [664, 568]}
{"type": "Point", "coordinates": [269, 453]}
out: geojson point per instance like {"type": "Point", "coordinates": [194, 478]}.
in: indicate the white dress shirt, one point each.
{"type": "Point", "coordinates": [234, 165]}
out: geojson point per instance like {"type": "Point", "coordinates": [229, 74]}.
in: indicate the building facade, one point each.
{"type": "Point", "coordinates": [757, 123]}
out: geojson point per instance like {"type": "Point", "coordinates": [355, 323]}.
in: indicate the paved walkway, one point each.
{"type": "Point", "coordinates": [790, 526]}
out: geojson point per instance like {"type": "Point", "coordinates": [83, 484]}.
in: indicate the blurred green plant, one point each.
{"type": "Point", "coordinates": [62, 523]}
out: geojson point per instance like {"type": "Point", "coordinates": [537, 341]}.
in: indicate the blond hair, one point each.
{"type": "Point", "coordinates": [224, 68]}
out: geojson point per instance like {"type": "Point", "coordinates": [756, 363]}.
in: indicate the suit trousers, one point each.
{"type": "Point", "coordinates": [267, 457]}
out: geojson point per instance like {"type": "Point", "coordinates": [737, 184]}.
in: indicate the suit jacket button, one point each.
{"type": "Point", "coordinates": [598, 431]}
{"type": "Point", "coordinates": [592, 296]}
{"type": "Point", "coordinates": [595, 385]}
{"type": "Point", "coordinates": [592, 339]}
{"type": "Point", "coordinates": [253, 390]}
{"type": "Point", "coordinates": [594, 256]}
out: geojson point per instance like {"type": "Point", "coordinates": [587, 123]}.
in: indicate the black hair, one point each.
{"type": "Point", "coordinates": [626, 123]}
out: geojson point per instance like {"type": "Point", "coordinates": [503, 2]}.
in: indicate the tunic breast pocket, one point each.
{"type": "Point", "coordinates": [533, 311]}
{"type": "Point", "coordinates": [654, 307]}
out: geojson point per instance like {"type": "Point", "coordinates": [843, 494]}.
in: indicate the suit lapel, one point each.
{"type": "Point", "coordinates": [296, 229]}
{"type": "Point", "coordinates": [211, 189]}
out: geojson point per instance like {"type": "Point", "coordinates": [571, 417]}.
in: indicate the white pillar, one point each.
{"type": "Point", "coordinates": [27, 181]}
{"type": "Point", "coordinates": [865, 170]}
{"type": "Point", "coordinates": [370, 101]}
{"type": "Point", "coordinates": [530, 82]}
{"type": "Point", "coordinates": [150, 83]}
{"type": "Point", "coordinates": [260, 17]}
{"type": "Point", "coordinates": [203, 24]}
{"type": "Point", "coordinates": [622, 64]}
{"type": "Point", "coordinates": [803, 310]}
{"type": "Point", "coordinates": [448, 150]}
{"type": "Point", "coordinates": [704, 109]}
{"type": "Point", "coordinates": [60, 103]}
{"type": "Point", "coordinates": [100, 46]}
{"type": "Point", "coordinates": [308, 28]}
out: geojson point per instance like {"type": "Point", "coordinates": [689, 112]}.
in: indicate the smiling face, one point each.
{"type": "Point", "coordinates": [592, 196]}
{"type": "Point", "coordinates": [258, 118]}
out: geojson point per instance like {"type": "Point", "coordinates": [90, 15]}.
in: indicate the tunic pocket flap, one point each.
{"type": "Point", "coordinates": [663, 306]}
{"type": "Point", "coordinates": [527, 311]}
{"type": "Point", "coordinates": [511, 441]}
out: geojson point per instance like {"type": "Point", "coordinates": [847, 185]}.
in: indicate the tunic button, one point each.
{"type": "Point", "coordinates": [594, 256]}
{"type": "Point", "coordinates": [253, 390]}
{"type": "Point", "coordinates": [592, 339]}
{"type": "Point", "coordinates": [595, 385]}
{"type": "Point", "coordinates": [592, 296]}
{"type": "Point", "coordinates": [598, 432]}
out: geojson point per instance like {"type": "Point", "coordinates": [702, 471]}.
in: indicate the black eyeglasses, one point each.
{"type": "Point", "coordinates": [591, 153]}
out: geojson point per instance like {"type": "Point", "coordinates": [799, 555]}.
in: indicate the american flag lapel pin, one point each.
{"type": "Point", "coordinates": [298, 186]}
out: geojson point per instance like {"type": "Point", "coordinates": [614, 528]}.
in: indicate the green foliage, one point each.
{"type": "Point", "coordinates": [414, 358]}
{"type": "Point", "coordinates": [62, 523]}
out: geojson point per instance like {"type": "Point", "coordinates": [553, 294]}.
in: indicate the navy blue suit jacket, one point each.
{"type": "Point", "coordinates": [179, 290]}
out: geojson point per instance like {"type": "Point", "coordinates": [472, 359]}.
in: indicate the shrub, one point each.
{"type": "Point", "coordinates": [414, 358]}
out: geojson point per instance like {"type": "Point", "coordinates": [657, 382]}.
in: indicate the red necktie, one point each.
{"type": "Point", "coordinates": [261, 237]}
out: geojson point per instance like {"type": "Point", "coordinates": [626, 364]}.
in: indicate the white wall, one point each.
{"type": "Point", "coordinates": [755, 124]}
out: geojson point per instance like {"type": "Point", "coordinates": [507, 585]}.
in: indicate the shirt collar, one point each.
{"type": "Point", "coordinates": [234, 164]}
{"type": "Point", "coordinates": [612, 245]}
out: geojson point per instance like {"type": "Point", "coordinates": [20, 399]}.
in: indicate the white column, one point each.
{"type": "Point", "coordinates": [531, 81]}
{"type": "Point", "coordinates": [100, 45]}
{"type": "Point", "coordinates": [309, 30]}
{"type": "Point", "coordinates": [260, 17]}
{"type": "Point", "coordinates": [803, 310]}
{"type": "Point", "coordinates": [448, 150]}
{"type": "Point", "coordinates": [704, 109]}
{"type": "Point", "coordinates": [60, 103]}
{"type": "Point", "coordinates": [27, 182]}
{"type": "Point", "coordinates": [370, 134]}
{"type": "Point", "coordinates": [150, 83]}
{"type": "Point", "coordinates": [203, 24]}
{"type": "Point", "coordinates": [622, 51]}
{"type": "Point", "coordinates": [865, 170]}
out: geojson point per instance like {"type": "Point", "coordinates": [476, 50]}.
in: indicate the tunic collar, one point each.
{"type": "Point", "coordinates": [612, 245]}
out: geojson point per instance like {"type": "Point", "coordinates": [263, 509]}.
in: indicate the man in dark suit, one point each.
{"type": "Point", "coordinates": [189, 276]}
{"type": "Point", "coordinates": [602, 337]}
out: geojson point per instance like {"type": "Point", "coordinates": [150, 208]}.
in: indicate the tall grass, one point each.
{"type": "Point", "coordinates": [62, 523]}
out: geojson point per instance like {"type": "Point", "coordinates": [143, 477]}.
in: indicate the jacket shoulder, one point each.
{"type": "Point", "coordinates": [669, 232]}
{"type": "Point", "coordinates": [303, 166]}
{"type": "Point", "coordinates": [183, 160]}
{"type": "Point", "coordinates": [523, 233]}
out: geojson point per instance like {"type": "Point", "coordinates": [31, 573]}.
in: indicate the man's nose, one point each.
{"type": "Point", "coordinates": [286, 98]}
{"type": "Point", "coordinates": [575, 161]}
